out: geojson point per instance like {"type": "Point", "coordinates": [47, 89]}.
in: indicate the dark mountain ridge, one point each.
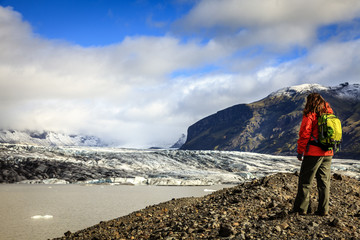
{"type": "Point", "coordinates": [271, 125]}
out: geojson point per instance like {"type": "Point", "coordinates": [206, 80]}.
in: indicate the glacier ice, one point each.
{"type": "Point", "coordinates": [94, 165]}
{"type": "Point", "coordinates": [42, 217]}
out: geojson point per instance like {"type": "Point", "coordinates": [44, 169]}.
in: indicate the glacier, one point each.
{"type": "Point", "coordinates": [105, 165]}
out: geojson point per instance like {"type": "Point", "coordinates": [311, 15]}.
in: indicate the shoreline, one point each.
{"type": "Point", "coordinates": [256, 209]}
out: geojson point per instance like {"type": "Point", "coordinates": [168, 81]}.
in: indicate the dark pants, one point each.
{"type": "Point", "coordinates": [314, 166]}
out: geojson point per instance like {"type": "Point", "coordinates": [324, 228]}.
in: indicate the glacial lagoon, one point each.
{"type": "Point", "coordinates": [47, 211]}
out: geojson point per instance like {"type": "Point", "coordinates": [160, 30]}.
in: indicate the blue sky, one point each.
{"type": "Point", "coordinates": [98, 22]}
{"type": "Point", "coordinates": [138, 73]}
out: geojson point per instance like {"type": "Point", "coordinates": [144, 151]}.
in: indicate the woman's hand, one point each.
{"type": "Point", "coordinates": [300, 157]}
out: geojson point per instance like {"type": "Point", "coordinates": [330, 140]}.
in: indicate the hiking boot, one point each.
{"type": "Point", "coordinates": [320, 213]}
{"type": "Point", "coordinates": [298, 212]}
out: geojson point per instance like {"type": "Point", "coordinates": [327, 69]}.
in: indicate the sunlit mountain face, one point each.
{"type": "Point", "coordinates": [271, 125]}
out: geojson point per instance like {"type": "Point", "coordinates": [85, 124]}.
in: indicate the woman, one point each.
{"type": "Point", "coordinates": [315, 161]}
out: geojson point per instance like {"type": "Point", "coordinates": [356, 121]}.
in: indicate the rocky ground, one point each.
{"type": "Point", "coordinates": [251, 210]}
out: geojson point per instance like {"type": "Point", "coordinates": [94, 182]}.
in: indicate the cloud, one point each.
{"type": "Point", "coordinates": [118, 91]}
{"type": "Point", "coordinates": [278, 23]}
{"type": "Point", "coordinates": [328, 64]}
{"type": "Point", "coordinates": [146, 91]}
{"type": "Point", "coordinates": [155, 24]}
{"type": "Point", "coordinates": [334, 61]}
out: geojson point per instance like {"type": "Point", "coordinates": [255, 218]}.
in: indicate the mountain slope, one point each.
{"type": "Point", "coordinates": [271, 125]}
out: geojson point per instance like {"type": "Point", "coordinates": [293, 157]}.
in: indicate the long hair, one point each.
{"type": "Point", "coordinates": [315, 103]}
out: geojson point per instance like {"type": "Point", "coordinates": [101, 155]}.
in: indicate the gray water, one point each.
{"type": "Point", "coordinates": [75, 207]}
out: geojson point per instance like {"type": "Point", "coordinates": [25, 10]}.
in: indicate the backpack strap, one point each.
{"type": "Point", "coordinates": [315, 142]}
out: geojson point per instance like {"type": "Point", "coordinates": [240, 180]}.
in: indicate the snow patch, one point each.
{"type": "Point", "coordinates": [344, 90]}
{"type": "Point", "coordinates": [299, 89]}
{"type": "Point", "coordinates": [347, 91]}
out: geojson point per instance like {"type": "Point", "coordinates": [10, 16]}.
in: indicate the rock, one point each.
{"type": "Point", "coordinates": [284, 225]}
{"type": "Point", "coordinates": [336, 223]}
{"type": "Point", "coordinates": [41, 168]}
{"type": "Point", "coordinates": [5, 173]}
{"type": "Point", "coordinates": [314, 224]}
{"type": "Point", "coordinates": [337, 176]}
{"type": "Point", "coordinates": [226, 230]}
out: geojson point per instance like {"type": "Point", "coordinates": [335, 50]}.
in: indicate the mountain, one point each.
{"type": "Point", "coordinates": [48, 138]}
{"type": "Point", "coordinates": [179, 142]}
{"type": "Point", "coordinates": [271, 125]}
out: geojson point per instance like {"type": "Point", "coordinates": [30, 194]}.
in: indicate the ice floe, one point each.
{"type": "Point", "coordinates": [42, 217]}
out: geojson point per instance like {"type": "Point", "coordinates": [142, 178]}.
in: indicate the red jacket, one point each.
{"type": "Point", "coordinates": [309, 126]}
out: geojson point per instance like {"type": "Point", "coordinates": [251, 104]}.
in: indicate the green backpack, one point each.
{"type": "Point", "coordinates": [330, 132]}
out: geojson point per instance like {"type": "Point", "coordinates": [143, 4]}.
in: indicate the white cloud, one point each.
{"type": "Point", "coordinates": [328, 64]}
{"type": "Point", "coordinates": [118, 91]}
{"type": "Point", "coordinates": [124, 92]}
{"type": "Point", "coordinates": [277, 22]}
{"type": "Point", "coordinates": [334, 61]}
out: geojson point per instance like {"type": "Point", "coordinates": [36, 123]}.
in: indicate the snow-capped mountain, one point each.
{"type": "Point", "coordinates": [48, 138]}
{"type": "Point", "coordinates": [344, 90]}
{"type": "Point", "coordinates": [271, 125]}
{"type": "Point", "coordinates": [299, 89]}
